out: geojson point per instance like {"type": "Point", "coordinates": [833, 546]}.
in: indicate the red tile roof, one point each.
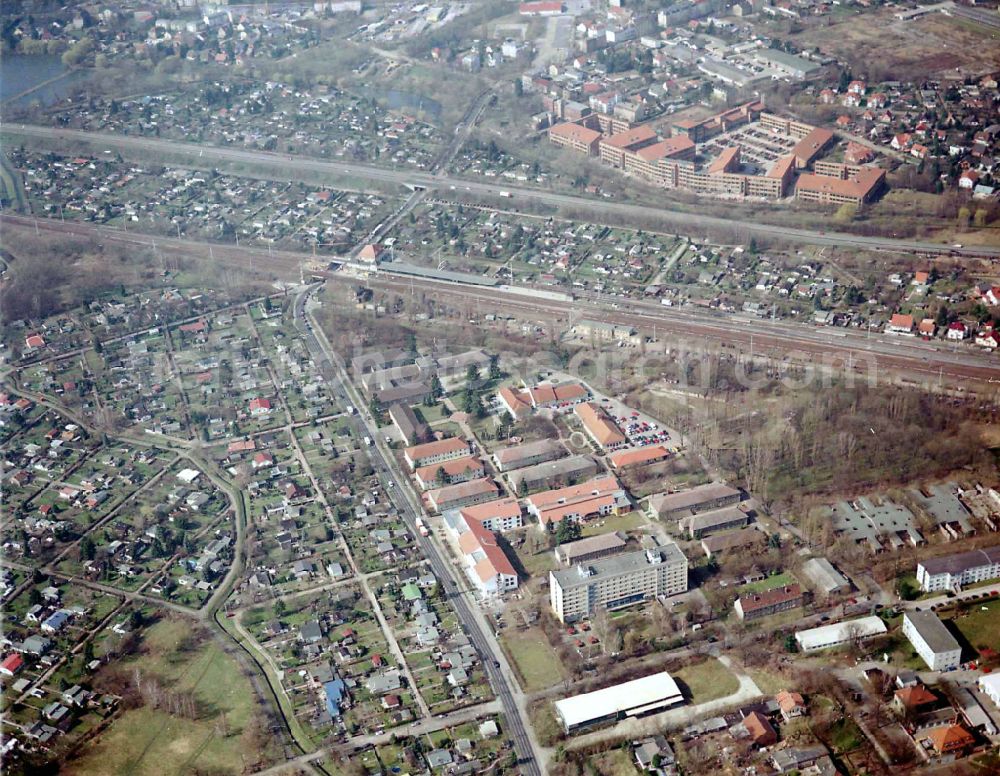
{"type": "Point", "coordinates": [637, 456]}
{"type": "Point", "coordinates": [630, 137]}
{"type": "Point", "coordinates": [575, 132]}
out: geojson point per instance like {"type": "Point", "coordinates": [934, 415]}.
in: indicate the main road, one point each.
{"type": "Point", "coordinates": [284, 167]}
{"type": "Point", "coordinates": [394, 482]}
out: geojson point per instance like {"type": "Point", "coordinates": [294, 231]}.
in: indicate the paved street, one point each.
{"type": "Point", "coordinates": [512, 700]}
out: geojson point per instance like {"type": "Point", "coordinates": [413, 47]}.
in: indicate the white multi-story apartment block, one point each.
{"type": "Point", "coordinates": [617, 581]}
{"type": "Point", "coordinates": [965, 568]}
{"type": "Point", "coordinates": [497, 516]}
{"type": "Point", "coordinates": [932, 640]}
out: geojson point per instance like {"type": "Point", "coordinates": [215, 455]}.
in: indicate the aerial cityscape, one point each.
{"type": "Point", "coordinates": [546, 388]}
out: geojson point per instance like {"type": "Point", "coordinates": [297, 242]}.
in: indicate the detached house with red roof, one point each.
{"type": "Point", "coordinates": [957, 331]}
{"type": "Point", "coordinates": [259, 407]}
{"type": "Point", "coordinates": [11, 664]}
{"type": "Point", "coordinates": [900, 324]}
{"type": "Point", "coordinates": [989, 339]}
{"type": "Point", "coordinates": [968, 180]}
{"type": "Point", "coordinates": [950, 739]}
{"type": "Point", "coordinates": [370, 254]}
{"type": "Point", "coordinates": [792, 705]}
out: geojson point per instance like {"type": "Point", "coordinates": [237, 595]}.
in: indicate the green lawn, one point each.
{"type": "Point", "coordinates": [539, 564]}
{"type": "Point", "coordinates": [429, 414]}
{"type": "Point", "coordinates": [845, 736]}
{"type": "Point", "coordinates": [615, 762]}
{"type": "Point", "coordinates": [152, 741]}
{"type": "Point", "coordinates": [778, 580]}
{"type": "Point", "coordinates": [626, 522]}
{"type": "Point", "coordinates": [707, 681]}
{"type": "Point", "coordinates": [767, 682]}
{"type": "Point", "coordinates": [978, 623]}
{"type": "Point", "coordinates": [537, 663]}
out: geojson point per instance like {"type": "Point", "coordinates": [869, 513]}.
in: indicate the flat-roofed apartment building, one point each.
{"type": "Point", "coordinates": [617, 581]}
{"type": "Point", "coordinates": [953, 571]}
{"type": "Point", "coordinates": [673, 506]}
{"type": "Point", "coordinates": [768, 602]}
{"type": "Point", "coordinates": [552, 474]}
{"type": "Point", "coordinates": [600, 427]}
{"type": "Point", "coordinates": [597, 498]}
{"type": "Point", "coordinates": [528, 454]}
{"type": "Point", "coordinates": [436, 452]}
{"type": "Point", "coordinates": [575, 137]}
{"type": "Point", "coordinates": [612, 149]}
{"type": "Point", "coordinates": [932, 640]}
{"type": "Point", "coordinates": [591, 548]}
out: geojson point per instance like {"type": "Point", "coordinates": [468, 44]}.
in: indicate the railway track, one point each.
{"type": "Point", "coordinates": [834, 348]}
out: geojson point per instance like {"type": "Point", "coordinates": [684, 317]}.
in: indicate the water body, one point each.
{"type": "Point", "coordinates": [50, 79]}
{"type": "Point", "coordinates": [416, 102]}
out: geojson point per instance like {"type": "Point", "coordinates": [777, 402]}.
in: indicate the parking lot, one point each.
{"type": "Point", "coordinates": [759, 148]}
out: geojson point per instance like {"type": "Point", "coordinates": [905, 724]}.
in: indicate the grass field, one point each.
{"type": "Point", "coordinates": [613, 763]}
{"type": "Point", "coordinates": [151, 741]}
{"type": "Point", "coordinates": [627, 522]}
{"type": "Point", "coordinates": [539, 564]}
{"type": "Point", "coordinates": [707, 681]}
{"type": "Point", "coordinates": [767, 682]}
{"type": "Point", "coordinates": [11, 188]}
{"type": "Point", "coordinates": [979, 624]}
{"type": "Point", "coordinates": [845, 735]}
{"type": "Point", "coordinates": [537, 663]}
